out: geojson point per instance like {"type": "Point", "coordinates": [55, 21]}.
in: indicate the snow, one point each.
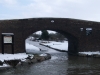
{"type": "Point", "coordinates": [22, 56]}
{"type": "Point", "coordinates": [12, 56]}
{"type": "Point", "coordinates": [90, 53]}
{"type": "Point", "coordinates": [5, 65]}
{"type": "Point", "coordinates": [43, 55]}
{"type": "Point", "coordinates": [31, 47]}
{"type": "Point", "coordinates": [57, 45]}
{"type": "Point", "coordinates": [64, 46]}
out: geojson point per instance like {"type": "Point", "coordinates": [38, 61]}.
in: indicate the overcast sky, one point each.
{"type": "Point", "coordinates": [78, 9]}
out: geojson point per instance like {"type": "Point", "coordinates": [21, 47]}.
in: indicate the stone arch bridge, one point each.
{"type": "Point", "coordinates": [82, 35]}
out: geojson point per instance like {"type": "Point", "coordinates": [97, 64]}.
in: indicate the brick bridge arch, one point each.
{"type": "Point", "coordinates": [72, 40]}
{"type": "Point", "coordinates": [82, 35]}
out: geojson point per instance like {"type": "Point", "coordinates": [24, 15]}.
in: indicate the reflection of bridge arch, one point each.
{"type": "Point", "coordinates": [80, 39]}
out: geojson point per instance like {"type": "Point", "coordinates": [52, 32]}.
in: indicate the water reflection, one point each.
{"type": "Point", "coordinates": [83, 66]}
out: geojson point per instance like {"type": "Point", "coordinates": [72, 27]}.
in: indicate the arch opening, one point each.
{"type": "Point", "coordinates": [72, 41]}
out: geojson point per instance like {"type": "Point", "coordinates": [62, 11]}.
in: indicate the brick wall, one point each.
{"type": "Point", "coordinates": [82, 35]}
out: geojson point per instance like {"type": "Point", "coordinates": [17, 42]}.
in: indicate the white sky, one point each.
{"type": "Point", "coordinates": [78, 9]}
{"type": "Point", "coordinates": [49, 31]}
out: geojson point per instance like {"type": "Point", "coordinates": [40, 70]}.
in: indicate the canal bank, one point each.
{"type": "Point", "coordinates": [9, 60]}
{"type": "Point", "coordinates": [59, 64]}
{"type": "Point", "coordinates": [55, 46]}
{"type": "Point", "coordinates": [90, 54]}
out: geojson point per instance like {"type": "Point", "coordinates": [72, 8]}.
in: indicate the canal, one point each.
{"type": "Point", "coordinates": [59, 64]}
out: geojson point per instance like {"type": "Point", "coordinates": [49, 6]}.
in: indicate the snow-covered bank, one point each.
{"type": "Point", "coordinates": [12, 56]}
{"type": "Point", "coordinates": [31, 49]}
{"type": "Point", "coordinates": [7, 57]}
{"type": "Point", "coordinates": [57, 45]}
{"type": "Point", "coordinates": [60, 46]}
{"type": "Point", "coordinates": [18, 55]}
{"type": "Point", "coordinates": [90, 53]}
{"type": "Point", "coordinates": [12, 60]}
{"type": "Point", "coordinates": [23, 57]}
{"type": "Point", "coordinates": [93, 54]}
{"type": "Point", "coordinates": [4, 66]}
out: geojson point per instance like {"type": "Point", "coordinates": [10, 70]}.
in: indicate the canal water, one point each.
{"type": "Point", "coordinates": [59, 64]}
